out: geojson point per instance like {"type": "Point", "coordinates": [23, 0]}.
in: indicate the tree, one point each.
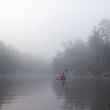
{"type": "Point", "coordinates": [91, 56]}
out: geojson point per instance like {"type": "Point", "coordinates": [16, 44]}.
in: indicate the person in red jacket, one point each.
{"type": "Point", "coordinates": [61, 77]}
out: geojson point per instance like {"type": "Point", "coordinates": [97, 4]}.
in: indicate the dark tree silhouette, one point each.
{"type": "Point", "coordinates": [82, 57]}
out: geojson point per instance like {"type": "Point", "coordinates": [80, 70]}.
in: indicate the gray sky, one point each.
{"type": "Point", "coordinates": [40, 26]}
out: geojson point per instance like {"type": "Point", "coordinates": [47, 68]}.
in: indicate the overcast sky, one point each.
{"type": "Point", "coordinates": [40, 26]}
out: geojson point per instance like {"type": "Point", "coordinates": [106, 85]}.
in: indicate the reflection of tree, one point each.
{"type": "Point", "coordinates": [6, 88]}
{"type": "Point", "coordinates": [81, 94]}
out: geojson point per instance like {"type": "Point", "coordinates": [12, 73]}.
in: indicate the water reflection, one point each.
{"type": "Point", "coordinates": [6, 86]}
{"type": "Point", "coordinates": [28, 94]}
{"type": "Point", "coordinates": [82, 94]}
{"type": "Point", "coordinates": [78, 94]}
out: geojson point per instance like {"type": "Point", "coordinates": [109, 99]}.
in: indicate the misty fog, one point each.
{"type": "Point", "coordinates": [41, 26]}
{"type": "Point", "coordinates": [54, 55]}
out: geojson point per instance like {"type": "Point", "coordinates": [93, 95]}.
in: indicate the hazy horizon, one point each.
{"type": "Point", "coordinates": [41, 26]}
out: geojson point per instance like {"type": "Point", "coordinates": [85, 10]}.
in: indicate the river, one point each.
{"type": "Point", "coordinates": [29, 95]}
{"type": "Point", "coordinates": [43, 94]}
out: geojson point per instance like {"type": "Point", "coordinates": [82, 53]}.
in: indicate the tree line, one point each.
{"type": "Point", "coordinates": [12, 61]}
{"type": "Point", "coordinates": [89, 55]}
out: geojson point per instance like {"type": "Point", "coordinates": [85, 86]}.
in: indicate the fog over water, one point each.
{"type": "Point", "coordinates": [40, 26]}
{"type": "Point", "coordinates": [42, 38]}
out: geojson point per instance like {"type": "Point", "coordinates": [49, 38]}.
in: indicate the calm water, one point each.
{"type": "Point", "coordinates": [40, 94]}
{"type": "Point", "coordinates": [28, 95]}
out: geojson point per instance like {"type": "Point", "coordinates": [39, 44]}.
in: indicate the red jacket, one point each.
{"type": "Point", "coordinates": [60, 76]}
